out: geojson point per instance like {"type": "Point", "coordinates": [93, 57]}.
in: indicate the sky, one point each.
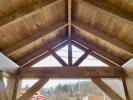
{"type": "Point", "coordinates": [50, 61]}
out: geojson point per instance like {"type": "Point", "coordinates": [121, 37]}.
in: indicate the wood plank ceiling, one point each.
{"type": "Point", "coordinates": [27, 26]}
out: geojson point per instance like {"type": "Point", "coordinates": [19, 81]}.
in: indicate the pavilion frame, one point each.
{"type": "Point", "coordinates": [26, 63]}
{"type": "Point", "coordinates": [73, 71]}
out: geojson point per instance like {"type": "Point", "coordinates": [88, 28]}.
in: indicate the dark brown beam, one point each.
{"type": "Point", "coordinates": [111, 93]}
{"type": "Point", "coordinates": [38, 35]}
{"type": "Point", "coordinates": [61, 44]}
{"type": "Point", "coordinates": [58, 58]}
{"type": "Point", "coordinates": [70, 72]}
{"type": "Point", "coordinates": [106, 61]}
{"type": "Point", "coordinates": [70, 61]}
{"type": "Point", "coordinates": [75, 43]}
{"type": "Point", "coordinates": [93, 31]}
{"type": "Point", "coordinates": [34, 89]}
{"type": "Point", "coordinates": [39, 54]}
{"type": "Point", "coordinates": [99, 51]}
{"type": "Point", "coordinates": [110, 9]}
{"type": "Point", "coordinates": [87, 52]}
{"type": "Point", "coordinates": [24, 10]}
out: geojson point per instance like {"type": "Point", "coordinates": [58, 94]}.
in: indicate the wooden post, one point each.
{"type": "Point", "coordinates": [69, 52]}
{"type": "Point", "coordinates": [12, 87]}
{"type": "Point", "coordinates": [125, 87]}
{"type": "Point", "coordinates": [112, 94]}
{"type": "Point", "coordinates": [33, 89]}
{"type": "Point", "coordinates": [3, 95]}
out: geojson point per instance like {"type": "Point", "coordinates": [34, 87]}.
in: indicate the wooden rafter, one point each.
{"type": "Point", "coordinates": [40, 54]}
{"type": "Point", "coordinates": [75, 43]}
{"type": "Point", "coordinates": [110, 9]}
{"type": "Point", "coordinates": [71, 72]}
{"type": "Point", "coordinates": [111, 93]}
{"type": "Point", "coordinates": [93, 31]}
{"type": "Point", "coordinates": [38, 35]}
{"type": "Point", "coordinates": [34, 89]}
{"type": "Point", "coordinates": [24, 10]}
{"type": "Point", "coordinates": [106, 61]}
{"type": "Point", "coordinates": [99, 51]}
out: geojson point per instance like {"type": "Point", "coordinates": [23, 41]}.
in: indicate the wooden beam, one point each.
{"type": "Point", "coordinates": [3, 94]}
{"type": "Point", "coordinates": [82, 47]}
{"type": "Point", "coordinates": [71, 72]}
{"type": "Point", "coordinates": [99, 51]}
{"type": "Point", "coordinates": [111, 93]}
{"type": "Point", "coordinates": [58, 58]}
{"type": "Point", "coordinates": [40, 54]}
{"type": "Point", "coordinates": [93, 31]}
{"type": "Point", "coordinates": [87, 52]}
{"type": "Point", "coordinates": [107, 8]}
{"type": "Point", "coordinates": [69, 18]}
{"type": "Point", "coordinates": [38, 35]}
{"type": "Point", "coordinates": [106, 61]}
{"type": "Point", "coordinates": [24, 10]}
{"type": "Point", "coordinates": [34, 89]}
{"type": "Point", "coordinates": [70, 60]}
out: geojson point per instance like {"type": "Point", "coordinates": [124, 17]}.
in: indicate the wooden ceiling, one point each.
{"type": "Point", "coordinates": [27, 26]}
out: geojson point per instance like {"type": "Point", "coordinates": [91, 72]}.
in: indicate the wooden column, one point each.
{"type": "Point", "coordinates": [125, 87]}
{"type": "Point", "coordinates": [12, 87]}
{"type": "Point", "coordinates": [33, 89]}
{"type": "Point", "coordinates": [3, 95]}
{"type": "Point", "coordinates": [112, 94]}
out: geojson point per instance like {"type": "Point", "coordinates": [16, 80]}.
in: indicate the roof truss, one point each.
{"type": "Point", "coordinates": [70, 70]}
